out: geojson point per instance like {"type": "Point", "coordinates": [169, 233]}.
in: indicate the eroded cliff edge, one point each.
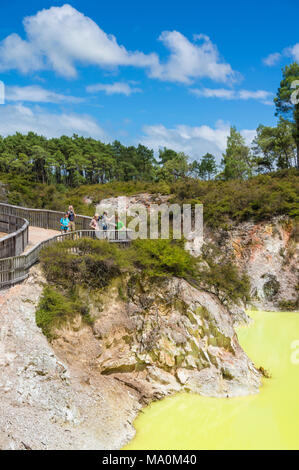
{"type": "Point", "coordinates": [148, 339]}
{"type": "Point", "coordinates": [168, 336]}
{"type": "Point", "coordinates": [85, 388]}
{"type": "Point", "coordinates": [49, 403]}
{"type": "Point", "coordinates": [268, 253]}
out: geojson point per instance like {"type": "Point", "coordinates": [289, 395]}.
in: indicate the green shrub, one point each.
{"type": "Point", "coordinates": [90, 263]}
{"type": "Point", "coordinates": [55, 309]}
{"type": "Point", "coordinates": [164, 258]}
{"type": "Point", "coordinates": [258, 198]}
{"type": "Point", "coordinates": [221, 276]}
{"type": "Point", "coordinates": [94, 263]}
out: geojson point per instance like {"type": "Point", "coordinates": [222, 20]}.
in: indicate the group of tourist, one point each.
{"type": "Point", "coordinates": [67, 222]}
{"type": "Point", "coordinates": [104, 222]}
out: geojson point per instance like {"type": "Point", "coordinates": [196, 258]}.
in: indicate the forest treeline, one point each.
{"type": "Point", "coordinates": [73, 161]}
{"type": "Point", "coordinates": [250, 182]}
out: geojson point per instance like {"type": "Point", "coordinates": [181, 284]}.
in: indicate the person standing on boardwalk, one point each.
{"type": "Point", "coordinates": [94, 223]}
{"type": "Point", "coordinates": [64, 223]}
{"type": "Point", "coordinates": [72, 216]}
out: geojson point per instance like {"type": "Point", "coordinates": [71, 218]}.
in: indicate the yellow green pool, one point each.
{"type": "Point", "coordinates": [268, 420]}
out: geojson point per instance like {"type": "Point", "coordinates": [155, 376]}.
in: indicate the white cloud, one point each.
{"type": "Point", "coordinates": [15, 53]}
{"type": "Point", "coordinates": [255, 95]}
{"type": "Point", "coordinates": [113, 88]}
{"type": "Point", "coordinates": [227, 94]}
{"type": "Point", "coordinates": [189, 60]}
{"type": "Point", "coordinates": [194, 141]}
{"type": "Point", "coordinates": [37, 94]}
{"type": "Point", "coordinates": [249, 135]}
{"type": "Point", "coordinates": [20, 118]}
{"type": "Point", "coordinates": [293, 51]}
{"type": "Point", "coordinates": [60, 38]}
{"type": "Point", "coordinates": [213, 93]}
{"type": "Point", "coordinates": [273, 59]}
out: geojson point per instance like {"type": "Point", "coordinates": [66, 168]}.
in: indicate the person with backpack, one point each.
{"type": "Point", "coordinates": [71, 217]}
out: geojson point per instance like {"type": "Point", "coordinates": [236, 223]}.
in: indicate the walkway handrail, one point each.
{"type": "Point", "coordinates": [43, 218]}
{"type": "Point", "coordinates": [16, 241]}
{"type": "Point", "coordinates": [16, 268]}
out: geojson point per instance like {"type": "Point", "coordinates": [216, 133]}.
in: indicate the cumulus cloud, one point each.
{"type": "Point", "coordinates": [37, 94]}
{"type": "Point", "coordinates": [272, 59]}
{"type": "Point", "coordinates": [114, 88]}
{"type": "Point", "coordinates": [249, 135]}
{"type": "Point", "coordinates": [227, 94]}
{"type": "Point", "coordinates": [20, 118]}
{"type": "Point", "coordinates": [213, 93]}
{"type": "Point", "coordinates": [15, 53]}
{"type": "Point", "coordinates": [195, 141]}
{"type": "Point", "coordinates": [60, 38]}
{"type": "Point", "coordinates": [293, 51]}
{"type": "Point", "coordinates": [276, 57]}
{"type": "Point", "coordinates": [256, 95]}
{"type": "Point", "coordinates": [189, 60]}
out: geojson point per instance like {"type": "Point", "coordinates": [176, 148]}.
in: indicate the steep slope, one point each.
{"type": "Point", "coordinates": [84, 389]}
{"type": "Point", "coordinates": [169, 336]}
{"type": "Point", "coordinates": [46, 403]}
{"type": "Point", "coordinates": [268, 253]}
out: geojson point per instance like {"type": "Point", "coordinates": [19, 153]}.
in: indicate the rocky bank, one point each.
{"type": "Point", "coordinates": [168, 336]}
{"type": "Point", "coordinates": [149, 339]}
{"type": "Point", "coordinates": [268, 253]}
{"type": "Point", "coordinates": [85, 388]}
{"type": "Point", "coordinates": [47, 402]}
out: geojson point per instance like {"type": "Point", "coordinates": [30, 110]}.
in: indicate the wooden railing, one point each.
{"type": "Point", "coordinates": [42, 217]}
{"type": "Point", "coordinates": [15, 268]}
{"type": "Point", "coordinates": [15, 242]}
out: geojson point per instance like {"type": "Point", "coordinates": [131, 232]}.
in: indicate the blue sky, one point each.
{"type": "Point", "coordinates": [163, 73]}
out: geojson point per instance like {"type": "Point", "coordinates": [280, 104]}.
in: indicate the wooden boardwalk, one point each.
{"type": "Point", "coordinates": [35, 229]}
{"type": "Point", "coordinates": [37, 235]}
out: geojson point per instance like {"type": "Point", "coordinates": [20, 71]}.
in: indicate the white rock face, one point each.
{"type": "Point", "coordinates": [173, 337]}
{"type": "Point", "coordinates": [124, 203]}
{"type": "Point", "coordinates": [268, 253]}
{"type": "Point", "coordinates": [45, 403]}
{"type": "Point", "coordinates": [84, 392]}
